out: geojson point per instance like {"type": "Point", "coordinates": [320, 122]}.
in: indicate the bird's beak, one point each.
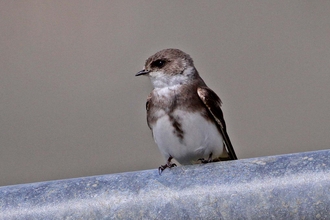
{"type": "Point", "coordinates": [142, 72]}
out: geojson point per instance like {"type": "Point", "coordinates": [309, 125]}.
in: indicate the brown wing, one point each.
{"type": "Point", "coordinates": [148, 108]}
{"type": "Point", "coordinates": [213, 104]}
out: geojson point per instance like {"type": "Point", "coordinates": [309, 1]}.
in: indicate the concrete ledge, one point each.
{"type": "Point", "coordinates": [293, 186]}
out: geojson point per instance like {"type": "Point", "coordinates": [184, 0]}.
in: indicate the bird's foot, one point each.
{"type": "Point", "coordinates": [202, 160]}
{"type": "Point", "coordinates": [167, 165]}
{"type": "Point", "coordinates": [209, 160]}
{"type": "Point", "coordinates": [163, 167]}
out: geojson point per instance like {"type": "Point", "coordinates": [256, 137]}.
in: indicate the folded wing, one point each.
{"type": "Point", "coordinates": [213, 104]}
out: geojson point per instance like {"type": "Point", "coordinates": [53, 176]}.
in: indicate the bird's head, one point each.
{"type": "Point", "coordinates": [169, 67]}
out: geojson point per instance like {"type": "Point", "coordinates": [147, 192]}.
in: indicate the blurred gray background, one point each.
{"type": "Point", "coordinates": [70, 105]}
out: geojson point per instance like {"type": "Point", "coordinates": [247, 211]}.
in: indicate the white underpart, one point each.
{"type": "Point", "coordinates": [201, 137]}
{"type": "Point", "coordinates": [160, 79]}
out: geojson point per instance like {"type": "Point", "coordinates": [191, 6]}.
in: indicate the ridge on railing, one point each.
{"type": "Point", "coordinates": [293, 186]}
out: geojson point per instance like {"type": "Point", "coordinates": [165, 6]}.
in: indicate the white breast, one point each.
{"type": "Point", "coordinates": [200, 137]}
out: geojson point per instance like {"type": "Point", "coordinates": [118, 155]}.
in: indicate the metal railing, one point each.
{"type": "Point", "coordinates": [293, 186]}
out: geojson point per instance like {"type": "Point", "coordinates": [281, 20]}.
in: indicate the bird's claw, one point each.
{"type": "Point", "coordinates": [202, 160]}
{"type": "Point", "coordinates": [163, 167]}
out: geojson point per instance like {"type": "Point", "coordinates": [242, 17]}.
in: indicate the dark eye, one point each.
{"type": "Point", "coordinates": [158, 63]}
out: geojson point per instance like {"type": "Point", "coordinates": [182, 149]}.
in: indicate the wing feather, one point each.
{"type": "Point", "coordinates": [213, 104]}
{"type": "Point", "coordinates": [148, 103]}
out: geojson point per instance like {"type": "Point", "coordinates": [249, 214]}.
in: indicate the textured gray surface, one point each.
{"type": "Point", "coordinates": [294, 186]}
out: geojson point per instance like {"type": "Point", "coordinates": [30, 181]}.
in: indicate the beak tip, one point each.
{"type": "Point", "coordinates": [142, 72]}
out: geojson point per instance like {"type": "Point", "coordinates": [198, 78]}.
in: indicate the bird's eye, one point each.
{"type": "Point", "coordinates": [158, 63]}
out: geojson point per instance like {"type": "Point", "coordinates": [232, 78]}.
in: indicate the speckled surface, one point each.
{"type": "Point", "coordinates": [294, 186]}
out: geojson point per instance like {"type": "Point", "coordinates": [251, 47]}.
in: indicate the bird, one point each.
{"type": "Point", "coordinates": [183, 113]}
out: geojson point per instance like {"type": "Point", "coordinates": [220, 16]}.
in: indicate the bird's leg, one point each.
{"type": "Point", "coordinates": [209, 160]}
{"type": "Point", "coordinates": [167, 165]}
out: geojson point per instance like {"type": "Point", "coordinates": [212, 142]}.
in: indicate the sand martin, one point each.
{"type": "Point", "coordinates": [184, 114]}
